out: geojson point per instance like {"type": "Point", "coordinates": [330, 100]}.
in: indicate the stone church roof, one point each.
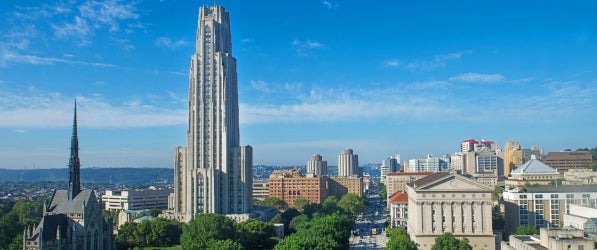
{"type": "Point", "coordinates": [61, 204]}
{"type": "Point", "coordinates": [534, 166]}
{"type": "Point", "coordinates": [49, 226]}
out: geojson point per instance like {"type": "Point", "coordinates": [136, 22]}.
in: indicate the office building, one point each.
{"type": "Point", "coordinates": [340, 185]}
{"type": "Point", "coordinates": [449, 202]}
{"type": "Point", "coordinates": [513, 156]}
{"type": "Point", "coordinates": [73, 217]}
{"type": "Point", "coordinates": [135, 199]}
{"type": "Point", "coordinates": [389, 165]}
{"type": "Point", "coordinates": [291, 185]}
{"type": "Point", "coordinates": [545, 206]}
{"type": "Point", "coordinates": [317, 166]}
{"type": "Point", "coordinates": [429, 164]}
{"type": "Point", "coordinates": [563, 161]}
{"type": "Point", "coordinates": [213, 173]}
{"type": "Point", "coordinates": [260, 189]}
{"type": "Point", "coordinates": [552, 239]}
{"type": "Point", "coordinates": [348, 163]}
{"type": "Point", "coordinates": [396, 182]}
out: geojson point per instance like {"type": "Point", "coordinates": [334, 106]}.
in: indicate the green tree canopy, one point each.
{"type": "Point", "coordinates": [273, 202]}
{"type": "Point", "coordinates": [300, 203]}
{"type": "Point", "coordinates": [399, 240]}
{"type": "Point", "coordinates": [352, 204]}
{"type": "Point", "coordinates": [252, 233]}
{"type": "Point", "coordinates": [204, 228]}
{"type": "Point", "coordinates": [448, 241]}
{"type": "Point", "coordinates": [330, 205]}
{"type": "Point", "coordinates": [227, 244]}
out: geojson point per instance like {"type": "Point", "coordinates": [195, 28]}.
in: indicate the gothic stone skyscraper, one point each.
{"type": "Point", "coordinates": [213, 174]}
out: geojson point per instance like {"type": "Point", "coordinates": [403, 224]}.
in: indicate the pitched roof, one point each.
{"type": "Point", "coordinates": [409, 173]}
{"type": "Point", "coordinates": [428, 179]}
{"type": "Point", "coordinates": [534, 166]}
{"type": "Point", "coordinates": [61, 204]}
{"type": "Point", "coordinates": [398, 197]}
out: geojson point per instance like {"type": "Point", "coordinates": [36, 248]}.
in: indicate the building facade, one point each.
{"type": "Point", "coordinates": [449, 202]}
{"type": "Point", "coordinates": [398, 210]}
{"type": "Point", "coordinates": [389, 165]}
{"type": "Point", "coordinates": [396, 182]}
{"type": "Point", "coordinates": [513, 156]}
{"type": "Point", "coordinates": [552, 239]}
{"type": "Point", "coordinates": [340, 185]}
{"type": "Point", "coordinates": [73, 217]}
{"type": "Point", "coordinates": [429, 164]}
{"type": "Point", "coordinates": [544, 206]}
{"type": "Point", "coordinates": [532, 172]}
{"type": "Point", "coordinates": [135, 199]}
{"type": "Point", "coordinates": [348, 163]}
{"type": "Point", "coordinates": [291, 185]}
{"type": "Point", "coordinates": [317, 166]}
{"type": "Point", "coordinates": [260, 189]}
{"type": "Point", "coordinates": [563, 161]}
{"type": "Point", "coordinates": [213, 174]}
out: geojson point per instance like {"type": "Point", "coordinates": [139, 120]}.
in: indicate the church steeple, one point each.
{"type": "Point", "coordinates": [74, 165]}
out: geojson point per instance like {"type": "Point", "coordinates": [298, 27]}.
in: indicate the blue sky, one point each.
{"type": "Point", "coordinates": [406, 77]}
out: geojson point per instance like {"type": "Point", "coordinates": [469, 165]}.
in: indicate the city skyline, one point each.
{"type": "Point", "coordinates": [314, 77]}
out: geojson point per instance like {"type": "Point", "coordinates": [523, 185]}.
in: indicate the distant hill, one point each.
{"type": "Point", "coordinates": [128, 176]}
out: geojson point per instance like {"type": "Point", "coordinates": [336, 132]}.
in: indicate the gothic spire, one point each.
{"type": "Point", "coordinates": [74, 165]}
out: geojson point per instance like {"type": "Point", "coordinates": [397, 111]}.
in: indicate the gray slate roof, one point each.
{"type": "Point", "coordinates": [534, 166]}
{"type": "Point", "coordinates": [61, 204]}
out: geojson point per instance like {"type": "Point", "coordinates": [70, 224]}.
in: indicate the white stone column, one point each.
{"type": "Point", "coordinates": [458, 217]}
{"type": "Point", "coordinates": [449, 215]}
{"type": "Point", "coordinates": [469, 218]}
{"type": "Point", "coordinates": [428, 227]}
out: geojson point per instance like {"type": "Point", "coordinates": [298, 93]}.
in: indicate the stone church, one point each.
{"type": "Point", "coordinates": [73, 218]}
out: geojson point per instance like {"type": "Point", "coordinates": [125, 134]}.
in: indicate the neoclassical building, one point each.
{"type": "Point", "coordinates": [449, 202]}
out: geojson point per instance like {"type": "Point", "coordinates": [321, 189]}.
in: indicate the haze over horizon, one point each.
{"type": "Point", "coordinates": [314, 77]}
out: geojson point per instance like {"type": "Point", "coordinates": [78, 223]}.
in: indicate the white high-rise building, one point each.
{"type": "Point", "coordinates": [389, 165]}
{"type": "Point", "coordinates": [348, 163]}
{"type": "Point", "coordinates": [317, 166]}
{"type": "Point", "coordinates": [213, 174]}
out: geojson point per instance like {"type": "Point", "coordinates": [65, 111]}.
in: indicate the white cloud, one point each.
{"type": "Point", "coordinates": [13, 57]}
{"type": "Point", "coordinates": [261, 86]}
{"type": "Point", "coordinates": [169, 43]}
{"type": "Point", "coordinates": [247, 40]}
{"type": "Point", "coordinates": [439, 61]}
{"type": "Point", "coordinates": [329, 4]}
{"type": "Point", "coordinates": [392, 63]}
{"type": "Point", "coordinates": [477, 78]}
{"type": "Point", "coordinates": [304, 46]}
{"type": "Point", "coordinates": [35, 109]}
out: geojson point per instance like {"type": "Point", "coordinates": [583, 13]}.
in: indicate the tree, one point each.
{"type": "Point", "coordinates": [496, 194]}
{"type": "Point", "coordinates": [300, 203]}
{"type": "Point", "coordinates": [330, 205]}
{"type": "Point", "coordinates": [273, 202]}
{"type": "Point", "coordinates": [165, 232]}
{"type": "Point", "coordinates": [227, 244]}
{"type": "Point", "coordinates": [297, 221]}
{"type": "Point", "coordinates": [204, 228]}
{"type": "Point", "coordinates": [252, 233]}
{"type": "Point", "coordinates": [399, 240]}
{"type": "Point", "coordinates": [383, 192]}
{"type": "Point", "coordinates": [525, 230]}
{"type": "Point", "coordinates": [352, 204]}
{"type": "Point", "coordinates": [448, 241]}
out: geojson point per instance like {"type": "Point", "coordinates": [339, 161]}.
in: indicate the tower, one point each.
{"type": "Point", "coordinates": [348, 163]}
{"type": "Point", "coordinates": [213, 173]}
{"type": "Point", "coordinates": [74, 164]}
{"type": "Point", "coordinates": [316, 165]}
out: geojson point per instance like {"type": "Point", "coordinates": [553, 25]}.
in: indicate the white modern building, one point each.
{"type": "Point", "coordinates": [135, 199]}
{"type": "Point", "coordinates": [213, 173]}
{"type": "Point", "coordinates": [317, 166]}
{"type": "Point", "coordinates": [429, 164]}
{"type": "Point", "coordinates": [389, 165]}
{"type": "Point", "coordinates": [348, 163]}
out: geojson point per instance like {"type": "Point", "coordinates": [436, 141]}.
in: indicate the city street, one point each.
{"type": "Point", "coordinates": [369, 231]}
